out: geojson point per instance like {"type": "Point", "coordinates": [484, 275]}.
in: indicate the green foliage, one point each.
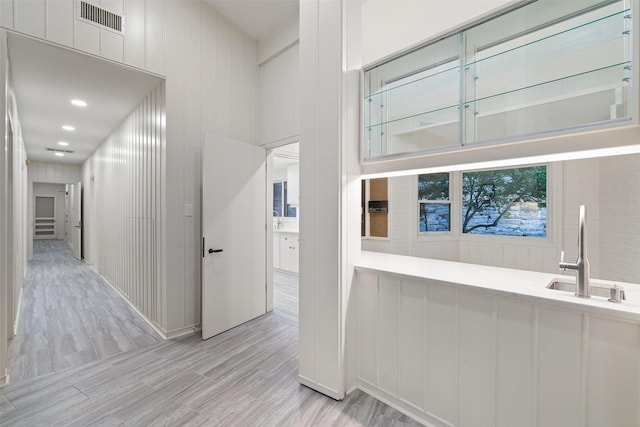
{"type": "Point", "coordinates": [433, 186]}
{"type": "Point", "coordinates": [498, 190]}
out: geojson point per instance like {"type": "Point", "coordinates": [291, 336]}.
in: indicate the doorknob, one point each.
{"type": "Point", "coordinates": [214, 250]}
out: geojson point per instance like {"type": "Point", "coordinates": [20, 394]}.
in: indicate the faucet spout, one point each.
{"type": "Point", "coordinates": [582, 263]}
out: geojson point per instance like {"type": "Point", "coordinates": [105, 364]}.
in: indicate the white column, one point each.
{"type": "Point", "coordinates": [329, 190]}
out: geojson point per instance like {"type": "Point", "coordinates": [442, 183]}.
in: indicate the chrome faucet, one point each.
{"type": "Point", "coordinates": [582, 263]}
{"type": "Point", "coordinates": [278, 220]}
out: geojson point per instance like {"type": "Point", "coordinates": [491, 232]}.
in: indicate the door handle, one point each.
{"type": "Point", "coordinates": [214, 250]}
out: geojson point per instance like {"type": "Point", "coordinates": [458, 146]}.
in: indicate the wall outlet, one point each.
{"type": "Point", "coordinates": [188, 209]}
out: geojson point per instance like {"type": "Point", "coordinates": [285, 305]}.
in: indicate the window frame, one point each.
{"type": "Point", "coordinates": [284, 204]}
{"type": "Point", "coordinates": [450, 202]}
{"type": "Point", "coordinates": [554, 210]}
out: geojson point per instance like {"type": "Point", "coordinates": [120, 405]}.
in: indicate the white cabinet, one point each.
{"type": "Point", "coordinates": [285, 251]}
{"type": "Point", "coordinates": [276, 250]}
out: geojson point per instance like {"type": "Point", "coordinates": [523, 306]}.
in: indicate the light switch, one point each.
{"type": "Point", "coordinates": [188, 209]}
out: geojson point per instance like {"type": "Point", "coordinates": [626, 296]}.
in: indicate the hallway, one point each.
{"type": "Point", "coordinates": [69, 316]}
{"type": "Point", "coordinates": [244, 377]}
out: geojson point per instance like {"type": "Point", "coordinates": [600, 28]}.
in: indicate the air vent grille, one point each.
{"type": "Point", "coordinates": [59, 150]}
{"type": "Point", "coordinates": [101, 17]}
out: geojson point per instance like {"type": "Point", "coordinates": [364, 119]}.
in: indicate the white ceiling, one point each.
{"type": "Point", "coordinates": [46, 78]}
{"type": "Point", "coordinates": [257, 18]}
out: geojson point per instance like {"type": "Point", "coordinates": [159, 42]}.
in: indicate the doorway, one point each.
{"type": "Point", "coordinates": [285, 202]}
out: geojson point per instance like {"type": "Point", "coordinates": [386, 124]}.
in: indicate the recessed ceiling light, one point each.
{"type": "Point", "coordinates": [64, 144]}
{"type": "Point", "coordinates": [59, 154]}
{"type": "Point", "coordinates": [78, 103]}
{"type": "Point", "coordinates": [69, 128]}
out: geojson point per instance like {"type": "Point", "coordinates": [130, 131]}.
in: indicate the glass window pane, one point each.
{"type": "Point", "coordinates": [433, 186]}
{"type": "Point", "coordinates": [505, 202]}
{"type": "Point", "coordinates": [277, 199]}
{"type": "Point", "coordinates": [435, 217]}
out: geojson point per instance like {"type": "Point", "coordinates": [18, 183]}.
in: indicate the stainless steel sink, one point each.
{"type": "Point", "coordinates": [598, 290]}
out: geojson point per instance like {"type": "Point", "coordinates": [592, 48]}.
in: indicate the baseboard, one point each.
{"type": "Point", "coordinates": [320, 388]}
{"type": "Point", "coordinates": [5, 380]}
{"type": "Point", "coordinates": [405, 408]}
{"type": "Point", "coordinates": [17, 320]}
{"type": "Point", "coordinates": [177, 333]}
{"type": "Point", "coordinates": [153, 325]}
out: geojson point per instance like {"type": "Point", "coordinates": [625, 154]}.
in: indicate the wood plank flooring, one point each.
{"type": "Point", "coordinates": [69, 316]}
{"type": "Point", "coordinates": [244, 377]}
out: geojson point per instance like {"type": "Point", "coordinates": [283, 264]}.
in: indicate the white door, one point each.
{"type": "Point", "coordinates": [76, 219]}
{"type": "Point", "coordinates": [234, 233]}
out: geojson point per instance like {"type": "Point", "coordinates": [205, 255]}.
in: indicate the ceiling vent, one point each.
{"type": "Point", "coordinates": [102, 17]}
{"type": "Point", "coordinates": [59, 150]}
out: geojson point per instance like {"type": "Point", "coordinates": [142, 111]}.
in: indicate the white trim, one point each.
{"type": "Point", "coordinates": [402, 407]}
{"type": "Point", "coordinates": [6, 379]}
{"type": "Point", "coordinates": [17, 319]}
{"type": "Point", "coordinates": [334, 394]}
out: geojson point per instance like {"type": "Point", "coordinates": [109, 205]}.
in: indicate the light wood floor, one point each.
{"type": "Point", "coordinates": [244, 377]}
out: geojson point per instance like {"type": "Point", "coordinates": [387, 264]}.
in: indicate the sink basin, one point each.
{"type": "Point", "coordinates": [597, 290]}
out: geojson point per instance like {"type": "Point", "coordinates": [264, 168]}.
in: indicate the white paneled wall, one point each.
{"type": "Point", "coordinates": [211, 88]}
{"type": "Point", "coordinates": [54, 172]}
{"type": "Point", "coordinates": [279, 88]}
{"type": "Point", "coordinates": [453, 356]}
{"type": "Point", "coordinates": [13, 208]}
{"type": "Point", "coordinates": [141, 45]}
{"type": "Point", "coordinates": [620, 218]}
{"type": "Point", "coordinates": [122, 197]}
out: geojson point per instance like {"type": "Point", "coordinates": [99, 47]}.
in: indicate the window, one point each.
{"type": "Point", "coordinates": [434, 204]}
{"type": "Point", "coordinates": [505, 202]}
{"type": "Point", "coordinates": [281, 207]}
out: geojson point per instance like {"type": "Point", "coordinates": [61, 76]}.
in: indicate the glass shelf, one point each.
{"type": "Point", "coordinates": [553, 72]}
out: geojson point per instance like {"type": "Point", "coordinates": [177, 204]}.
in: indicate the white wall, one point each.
{"type": "Point", "coordinates": [392, 26]}
{"type": "Point", "coordinates": [13, 208]}
{"type": "Point", "coordinates": [210, 88]}
{"type": "Point", "coordinates": [141, 46]}
{"type": "Point", "coordinates": [620, 218]}
{"type": "Point", "coordinates": [279, 87]}
{"type": "Point", "coordinates": [124, 211]}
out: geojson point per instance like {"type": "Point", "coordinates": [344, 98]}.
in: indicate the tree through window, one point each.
{"type": "Point", "coordinates": [507, 202]}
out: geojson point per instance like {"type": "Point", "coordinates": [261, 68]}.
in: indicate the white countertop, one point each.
{"type": "Point", "coordinates": [285, 231]}
{"type": "Point", "coordinates": [521, 284]}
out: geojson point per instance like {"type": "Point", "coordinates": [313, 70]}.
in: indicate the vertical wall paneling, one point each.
{"type": "Point", "coordinates": [126, 184]}
{"type": "Point", "coordinates": [607, 338]}
{"type": "Point", "coordinates": [59, 21]}
{"type": "Point", "coordinates": [388, 337]}
{"type": "Point", "coordinates": [442, 353]}
{"type": "Point", "coordinates": [155, 36]}
{"type": "Point", "coordinates": [514, 364]}
{"type": "Point", "coordinates": [111, 45]}
{"type": "Point", "coordinates": [476, 376]}
{"type": "Point", "coordinates": [87, 37]}
{"type": "Point", "coordinates": [4, 227]}
{"type": "Point", "coordinates": [6, 14]}
{"type": "Point", "coordinates": [455, 357]}
{"type": "Point", "coordinates": [412, 377]}
{"type": "Point", "coordinates": [368, 328]}
{"type": "Point", "coordinates": [30, 17]}
{"type": "Point", "coordinates": [560, 353]}
{"type": "Point", "coordinates": [134, 48]}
